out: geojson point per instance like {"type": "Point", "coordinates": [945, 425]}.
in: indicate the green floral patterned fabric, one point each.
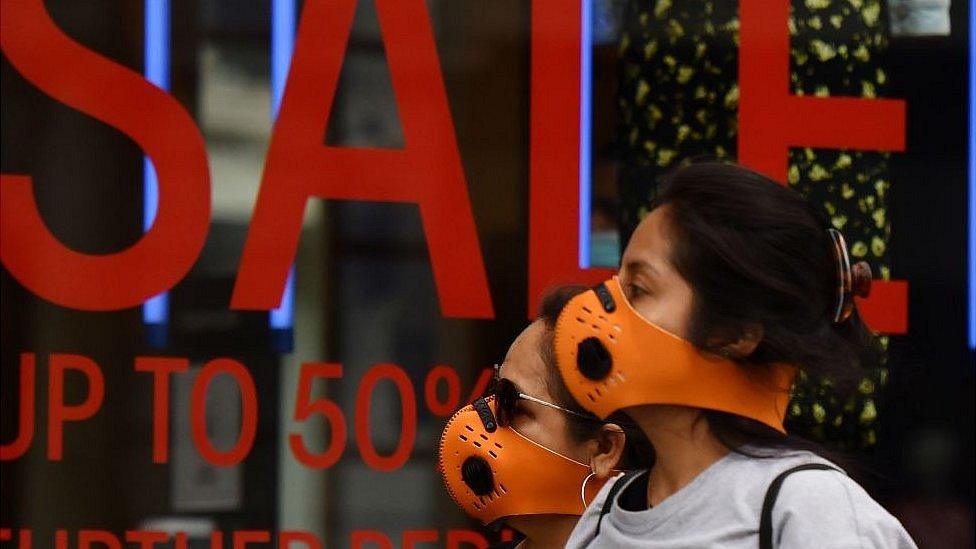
{"type": "Point", "coordinates": [678, 99]}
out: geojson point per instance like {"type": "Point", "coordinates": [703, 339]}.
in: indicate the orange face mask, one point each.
{"type": "Point", "coordinates": [494, 472]}
{"type": "Point", "coordinates": [611, 358]}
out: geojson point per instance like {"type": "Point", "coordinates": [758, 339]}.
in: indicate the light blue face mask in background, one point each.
{"type": "Point", "coordinates": [605, 248]}
{"type": "Point", "coordinates": [919, 17]}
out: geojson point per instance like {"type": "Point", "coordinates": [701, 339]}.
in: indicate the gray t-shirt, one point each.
{"type": "Point", "coordinates": [721, 508]}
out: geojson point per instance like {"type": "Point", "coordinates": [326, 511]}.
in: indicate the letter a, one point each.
{"type": "Point", "coordinates": [427, 171]}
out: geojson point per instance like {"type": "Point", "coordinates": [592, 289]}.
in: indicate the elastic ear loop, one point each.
{"type": "Point", "coordinates": [583, 489]}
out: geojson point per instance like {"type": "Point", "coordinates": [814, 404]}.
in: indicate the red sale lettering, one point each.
{"type": "Point", "coordinates": [375, 538]}
{"type": "Point", "coordinates": [771, 120]}
{"type": "Point", "coordinates": [411, 538]}
{"type": "Point", "coordinates": [87, 538]}
{"type": "Point", "coordinates": [287, 538]}
{"type": "Point", "coordinates": [886, 309]}
{"type": "Point", "coordinates": [147, 539]}
{"type": "Point", "coordinates": [481, 385]}
{"type": "Point", "coordinates": [453, 384]}
{"type": "Point", "coordinates": [246, 539]}
{"type": "Point", "coordinates": [243, 538]}
{"type": "Point", "coordinates": [554, 116]}
{"type": "Point", "coordinates": [249, 412]}
{"type": "Point", "coordinates": [457, 538]}
{"type": "Point", "coordinates": [25, 421]}
{"type": "Point", "coordinates": [161, 368]}
{"type": "Point", "coordinates": [427, 171]}
{"type": "Point", "coordinates": [60, 412]}
{"type": "Point", "coordinates": [23, 537]}
{"type": "Point", "coordinates": [408, 426]}
{"type": "Point", "coordinates": [105, 90]}
{"type": "Point", "coordinates": [305, 407]}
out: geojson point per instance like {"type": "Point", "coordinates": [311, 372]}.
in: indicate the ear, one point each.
{"type": "Point", "coordinates": [606, 449]}
{"type": "Point", "coordinates": [746, 343]}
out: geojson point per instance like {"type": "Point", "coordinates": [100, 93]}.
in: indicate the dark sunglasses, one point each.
{"type": "Point", "coordinates": [507, 395]}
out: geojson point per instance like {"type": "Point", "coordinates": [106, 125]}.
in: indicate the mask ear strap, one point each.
{"type": "Point", "coordinates": [583, 489]}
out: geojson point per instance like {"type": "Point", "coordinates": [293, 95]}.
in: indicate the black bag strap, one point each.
{"type": "Point", "coordinates": [614, 490]}
{"type": "Point", "coordinates": [766, 519]}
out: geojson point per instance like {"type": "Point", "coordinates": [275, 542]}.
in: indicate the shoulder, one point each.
{"type": "Point", "coordinates": [830, 506]}
{"type": "Point", "coordinates": [815, 507]}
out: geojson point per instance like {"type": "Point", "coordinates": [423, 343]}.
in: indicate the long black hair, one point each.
{"type": "Point", "coordinates": [757, 253]}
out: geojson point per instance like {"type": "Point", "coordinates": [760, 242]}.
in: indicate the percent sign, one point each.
{"type": "Point", "coordinates": [452, 382]}
{"type": "Point", "coordinates": [306, 407]}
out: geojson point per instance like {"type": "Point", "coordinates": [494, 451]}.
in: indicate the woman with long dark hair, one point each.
{"type": "Point", "coordinates": [728, 287]}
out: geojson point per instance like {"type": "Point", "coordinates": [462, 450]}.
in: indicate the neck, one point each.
{"type": "Point", "coordinates": [544, 531]}
{"type": "Point", "coordinates": [684, 446]}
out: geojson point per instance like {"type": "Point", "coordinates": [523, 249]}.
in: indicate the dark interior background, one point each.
{"type": "Point", "coordinates": [373, 288]}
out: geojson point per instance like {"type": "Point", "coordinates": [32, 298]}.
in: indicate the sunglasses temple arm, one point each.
{"type": "Point", "coordinates": [551, 405]}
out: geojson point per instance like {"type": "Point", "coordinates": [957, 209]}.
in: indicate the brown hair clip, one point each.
{"type": "Point", "coordinates": [852, 280]}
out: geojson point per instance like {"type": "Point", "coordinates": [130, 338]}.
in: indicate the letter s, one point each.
{"type": "Point", "coordinates": [115, 95]}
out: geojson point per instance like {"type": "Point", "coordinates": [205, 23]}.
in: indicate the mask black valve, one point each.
{"type": "Point", "coordinates": [476, 473]}
{"type": "Point", "coordinates": [592, 359]}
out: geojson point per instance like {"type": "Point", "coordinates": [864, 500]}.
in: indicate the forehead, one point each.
{"type": "Point", "coordinates": [524, 365]}
{"type": "Point", "coordinates": [651, 242]}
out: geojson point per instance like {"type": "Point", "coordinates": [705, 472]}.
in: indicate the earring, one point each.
{"type": "Point", "coordinates": [583, 488]}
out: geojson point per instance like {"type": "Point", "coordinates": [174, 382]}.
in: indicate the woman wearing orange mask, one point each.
{"type": "Point", "coordinates": [729, 286]}
{"type": "Point", "coordinates": [527, 454]}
